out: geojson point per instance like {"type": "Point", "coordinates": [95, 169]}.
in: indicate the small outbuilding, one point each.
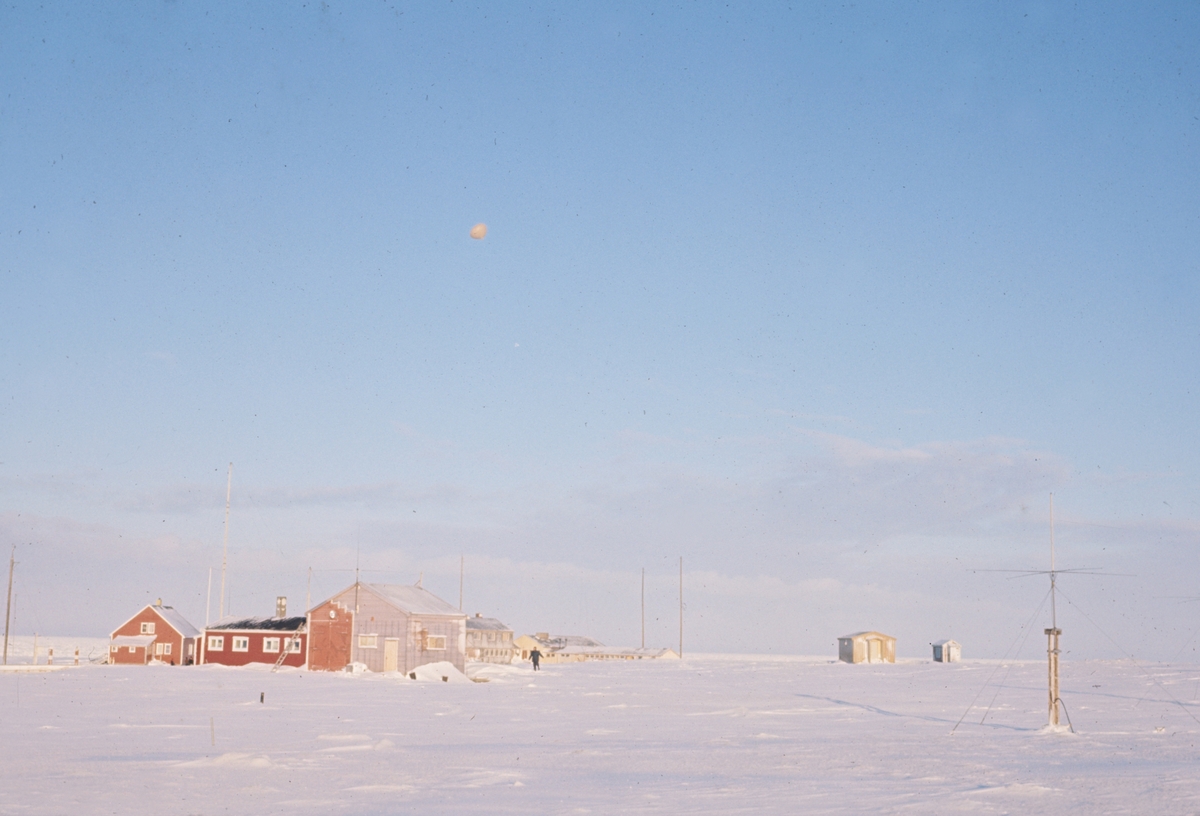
{"type": "Point", "coordinates": [867, 647]}
{"type": "Point", "coordinates": [946, 651]}
{"type": "Point", "coordinates": [156, 633]}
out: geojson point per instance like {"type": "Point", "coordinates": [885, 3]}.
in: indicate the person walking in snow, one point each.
{"type": "Point", "coordinates": [536, 657]}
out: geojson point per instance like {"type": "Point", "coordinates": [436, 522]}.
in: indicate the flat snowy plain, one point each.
{"type": "Point", "coordinates": [709, 734]}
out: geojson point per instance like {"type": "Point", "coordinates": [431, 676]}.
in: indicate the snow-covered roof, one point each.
{"type": "Point", "coordinates": [559, 642]}
{"type": "Point", "coordinates": [863, 634]}
{"type": "Point", "coordinates": [414, 600]}
{"type": "Point", "coordinates": [614, 651]}
{"type": "Point", "coordinates": [490, 624]}
{"type": "Point", "coordinates": [133, 640]}
{"type": "Point", "coordinates": [275, 624]}
{"type": "Point", "coordinates": [176, 621]}
{"type": "Point", "coordinates": [945, 643]}
{"type": "Point", "coordinates": [171, 618]}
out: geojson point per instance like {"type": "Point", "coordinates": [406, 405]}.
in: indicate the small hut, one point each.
{"type": "Point", "coordinates": [867, 647]}
{"type": "Point", "coordinates": [947, 651]}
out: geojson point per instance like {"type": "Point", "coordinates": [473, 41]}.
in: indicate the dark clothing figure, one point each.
{"type": "Point", "coordinates": [536, 657]}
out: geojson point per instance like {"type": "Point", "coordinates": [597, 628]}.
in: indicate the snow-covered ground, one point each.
{"type": "Point", "coordinates": [708, 734]}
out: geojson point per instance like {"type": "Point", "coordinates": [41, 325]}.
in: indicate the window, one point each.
{"type": "Point", "coordinates": [216, 643]}
{"type": "Point", "coordinates": [158, 648]}
{"type": "Point", "coordinates": [148, 628]}
{"type": "Point", "coordinates": [132, 649]}
{"type": "Point", "coordinates": [241, 644]}
{"type": "Point", "coordinates": [166, 648]}
{"type": "Point", "coordinates": [115, 649]}
{"type": "Point", "coordinates": [435, 642]}
{"type": "Point", "coordinates": [294, 646]}
{"type": "Point", "coordinates": [271, 645]}
{"type": "Point", "coordinates": [368, 641]}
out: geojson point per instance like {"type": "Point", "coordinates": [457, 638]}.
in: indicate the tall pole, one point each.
{"type": "Point", "coordinates": [225, 549]}
{"type": "Point", "coordinates": [208, 600]}
{"type": "Point", "coordinates": [462, 566]}
{"type": "Point", "coordinates": [1052, 650]}
{"type": "Point", "coordinates": [681, 606]}
{"type": "Point", "coordinates": [643, 607]}
{"type": "Point", "coordinates": [308, 593]}
{"type": "Point", "coordinates": [12, 562]}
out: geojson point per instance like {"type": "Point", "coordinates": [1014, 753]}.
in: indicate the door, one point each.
{"type": "Point", "coordinates": [874, 651]}
{"type": "Point", "coordinates": [391, 653]}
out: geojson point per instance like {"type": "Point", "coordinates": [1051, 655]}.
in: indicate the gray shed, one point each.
{"type": "Point", "coordinates": [947, 651]}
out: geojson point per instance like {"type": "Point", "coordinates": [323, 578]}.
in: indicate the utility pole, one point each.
{"type": "Point", "coordinates": [681, 607]}
{"type": "Point", "coordinates": [225, 550]}
{"type": "Point", "coordinates": [12, 562]}
{"type": "Point", "coordinates": [308, 593]}
{"type": "Point", "coordinates": [208, 600]}
{"type": "Point", "coordinates": [462, 567]}
{"type": "Point", "coordinates": [643, 607]}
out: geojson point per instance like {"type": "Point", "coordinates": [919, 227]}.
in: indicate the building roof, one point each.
{"type": "Point", "coordinates": [863, 634]}
{"type": "Point", "coordinates": [491, 624]}
{"type": "Point", "coordinates": [170, 617]}
{"type": "Point", "coordinates": [133, 640]}
{"type": "Point", "coordinates": [615, 651]}
{"type": "Point", "coordinates": [176, 621]}
{"type": "Point", "coordinates": [946, 643]}
{"type": "Point", "coordinates": [559, 642]}
{"type": "Point", "coordinates": [231, 622]}
{"type": "Point", "coordinates": [414, 600]}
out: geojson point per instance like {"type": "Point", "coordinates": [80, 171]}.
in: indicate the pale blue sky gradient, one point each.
{"type": "Point", "coordinates": [826, 299]}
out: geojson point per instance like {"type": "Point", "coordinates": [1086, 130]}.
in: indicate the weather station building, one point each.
{"type": "Point", "coordinates": [386, 628]}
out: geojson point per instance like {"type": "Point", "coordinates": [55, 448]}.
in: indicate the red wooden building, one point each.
{"type": "Point", "coordinates": [241, 641]}
{"type": "Point", "coordinates": [156, 633]}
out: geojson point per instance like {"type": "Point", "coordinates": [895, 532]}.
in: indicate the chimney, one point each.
{"type": "Point", "coordinates": [159, 602]}
{"type": "Point", "coordinates": [479, 614]}
{"type": "Point", "coordinates": [281, 606]}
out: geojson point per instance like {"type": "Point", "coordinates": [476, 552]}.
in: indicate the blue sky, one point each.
{"type": "Point", "coordinates": [827, 300]}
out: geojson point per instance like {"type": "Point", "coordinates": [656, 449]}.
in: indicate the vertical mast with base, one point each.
{"type": "Point", "coordinates": [1053, 632]}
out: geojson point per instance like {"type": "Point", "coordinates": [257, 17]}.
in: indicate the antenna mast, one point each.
{"type": "Point", "coordinates": [1052, 650]}
{"type": "Point", "coordinates": [462, 567]}
{"type": "Point", "coordinates": [643, 607]}
{"type": "Point", "coordinates": [681, 606]}
{"type": "Point", "coordinates": [225, 549]}
{"type": "Point", "coordinates": [12, 561]}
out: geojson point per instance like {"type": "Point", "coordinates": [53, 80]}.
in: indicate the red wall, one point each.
{"type": "Point", "coordinates": [330, 637]}
{"type": "Point", "coordinates": [255, 654]}
{"type": "Point", "coordinates": [163, 633]}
